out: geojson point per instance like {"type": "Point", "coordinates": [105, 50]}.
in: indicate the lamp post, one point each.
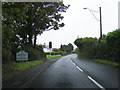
{"type": "Point", "coordinates": [97, 19]}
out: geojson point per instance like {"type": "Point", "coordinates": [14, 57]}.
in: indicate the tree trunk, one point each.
{"type": "Point", "coordinates": [35, 39]}
{"type": "Point", "coordinates": [30, 39]}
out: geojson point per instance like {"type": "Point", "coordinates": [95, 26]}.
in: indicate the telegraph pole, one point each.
{"type": "Point", "coordinates": [97, 20]}
{"type": "Point", "coordinates": [100, 23]}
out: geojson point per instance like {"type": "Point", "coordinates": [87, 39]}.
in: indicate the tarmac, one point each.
{"type": "Point", "coordinates": [23, 79]}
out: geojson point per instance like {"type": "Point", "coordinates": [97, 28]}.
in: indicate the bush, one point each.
{"type": "Point", "coordinates": [6, 55]}
{"type": "Point", "coordinates": [87, 47]}
{"type": "Point", "coordinates": [35, 53]}
{"type": "Point", "coordinates": [57, 53]}
{"type": "Point", "coordinates": [113, 44]}
{"type": "Point", "coordinates": [107, 48]}
{"type": "Point", "coordinates": [53, 53]}
{"type": "Point", "coordinates": [63, 53]}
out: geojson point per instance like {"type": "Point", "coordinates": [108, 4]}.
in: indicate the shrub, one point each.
{"type": "Point", "coordinates": [107, 48]}
{"type": "Point", "coordinates": [35, 53]}
{"type": "Point", "coordinates": [6, 55]}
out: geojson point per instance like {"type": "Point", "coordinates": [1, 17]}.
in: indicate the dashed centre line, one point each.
{"type": "Point", "coordinates": [96, 83]}
{"type": "Point", "coordinates": [74, 64]}
{"type": "Point", "coordinates": [71, 61]}
{"type": "Point", "coordinates": [101, 87]}
{"type": "Point", "coordinates": [77, 66]}
{"type": "Point", "coordinates": [79, 69]}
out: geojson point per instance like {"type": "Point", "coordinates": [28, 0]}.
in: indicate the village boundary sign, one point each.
{"type": "Point", "coordinates": [22, 56]}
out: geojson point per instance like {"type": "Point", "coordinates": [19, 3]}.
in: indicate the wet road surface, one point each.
{"type": "Point", "coordinates": [71, 72]}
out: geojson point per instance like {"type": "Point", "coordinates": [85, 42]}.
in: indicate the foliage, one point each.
{"type": "Point", "coordinates": [22, 22]}
{"type": "Point", "coordinates": [6, 55]}
{"type": "Point", "coordinates": [53, 56]}
{"type": "Point", "coordinates": [113, 44]}
{"type": "Point", "coordinates": [53, 53]}
{"type": "Point", "coordinates": [35, 52]}
{"type": "Point", "coordinates": [63, 53]}
{"type": "Point", "coordinates": [111, 63]}
{"type": "Point", "coordinates": [55, 50]}
{"type": "Point", "coordinates": [27, 20]}
{"type": "Point", "coordinates": [87, 47]}
{"type": "Point", "coordinates": [107, 48]}
{"type": "Point", "coordinates": [13, 68]}
{"type": "Point", "coordinates": [76, 51]}
{"type": "Point", "coordinates": [67, 48]}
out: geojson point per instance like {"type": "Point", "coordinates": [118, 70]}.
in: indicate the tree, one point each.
{"type": "Point", "coordinates": [66, 48]}
{"type": "Point", "coordinates": [87, 47]}
{"type": "Point", "coordinates": [56, 50]}
{"type": "Point", "coordinates": [108, 48]}
{"type": "Point", "coordinates": [69, 48]}
{"type": "Point", "coordinates": [23, 21]}
{"type": "Point", "coordinates": [33, 18]}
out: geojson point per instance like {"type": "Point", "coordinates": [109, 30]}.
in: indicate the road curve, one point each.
{"type": "Point", "coordinates": [71, 72]}
{"type": "Point", "coordinates": [106, 75]}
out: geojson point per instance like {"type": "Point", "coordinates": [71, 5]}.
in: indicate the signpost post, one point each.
{"type": "Point", "coordinates": [50, 47]}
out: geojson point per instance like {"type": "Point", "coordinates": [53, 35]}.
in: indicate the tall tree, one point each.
{"type": "Point", "coordinates": [23, 21]}
{"type": "Point", "coordinates": [33, 19]}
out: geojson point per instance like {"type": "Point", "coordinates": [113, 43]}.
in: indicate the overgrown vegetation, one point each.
{"type": "Point", "coordinates": [66, 49]}
{"type": "Point", "coordinates": [107, 62]}
{"type": "Point", "coordinates": [12, 68]}
{"type": "Point", "coordinates": [108, 48]}
{"type": "Point", "coordinates": [63, 50]}
{"type": "Point", "coordinates": [22, 22]}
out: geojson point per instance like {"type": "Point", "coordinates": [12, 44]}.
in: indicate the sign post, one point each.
{"type": "Point", "coordinates": [50, 47]}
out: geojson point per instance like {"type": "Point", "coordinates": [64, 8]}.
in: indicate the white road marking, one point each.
{"type": "Point", "coordinates": [77, 66]}
{"type": "Point", "coordinates": [74, 63]}
{"type": "Point", "coordinates": [79, 69]}
{"type": "Point", "coordinates": [101, 87]}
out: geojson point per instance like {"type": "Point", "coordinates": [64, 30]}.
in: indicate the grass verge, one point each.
{"type": "Point", "coordinates": [13, 68]}
{"type": "Point", "coordinates": [53, 56]}
{"type": "Point", "coordinates": [111, 63]}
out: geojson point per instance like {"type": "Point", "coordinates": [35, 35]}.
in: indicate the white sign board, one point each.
{"type": "Point", "coordinates": [22, 56]}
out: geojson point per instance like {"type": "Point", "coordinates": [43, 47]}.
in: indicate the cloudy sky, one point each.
{"type": "Point", "coordinates": [81, 23]}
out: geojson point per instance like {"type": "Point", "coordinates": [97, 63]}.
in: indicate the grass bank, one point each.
{"type": "Point", "coordinates": [53, 56]}
{"type": "Point", "coordinates": [111, 63]}
{"type": "Point", "coordinates": [103, 61]}
{"type": "Point", "coordinates": [12, 68]}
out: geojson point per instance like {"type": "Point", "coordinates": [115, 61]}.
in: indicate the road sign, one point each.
{"type": "Point", "coordinates": [50, 44]}
{"type": "Point", "coordinates": [22, 56]}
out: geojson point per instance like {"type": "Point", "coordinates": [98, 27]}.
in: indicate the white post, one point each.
{"type": "Point", "coordinates": [50, 52]}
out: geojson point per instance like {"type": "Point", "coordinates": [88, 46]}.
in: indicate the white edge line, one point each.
{"type": "Point", "coordinates": [79, 69]}
{"type": "Point", "coordinates": [101, 87]}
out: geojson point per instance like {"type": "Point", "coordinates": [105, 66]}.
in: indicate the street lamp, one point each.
{"type": "Point", "coordinates": [97, 19]}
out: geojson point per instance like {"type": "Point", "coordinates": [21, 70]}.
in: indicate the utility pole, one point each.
{"type": "Point", "coordinates": [97, 19]}
{"type": "Point", "coordinates": [100, 23]}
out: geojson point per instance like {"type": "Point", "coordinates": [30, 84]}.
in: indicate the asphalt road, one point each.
{"type": "Point", "coordinates": [71, 72]}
